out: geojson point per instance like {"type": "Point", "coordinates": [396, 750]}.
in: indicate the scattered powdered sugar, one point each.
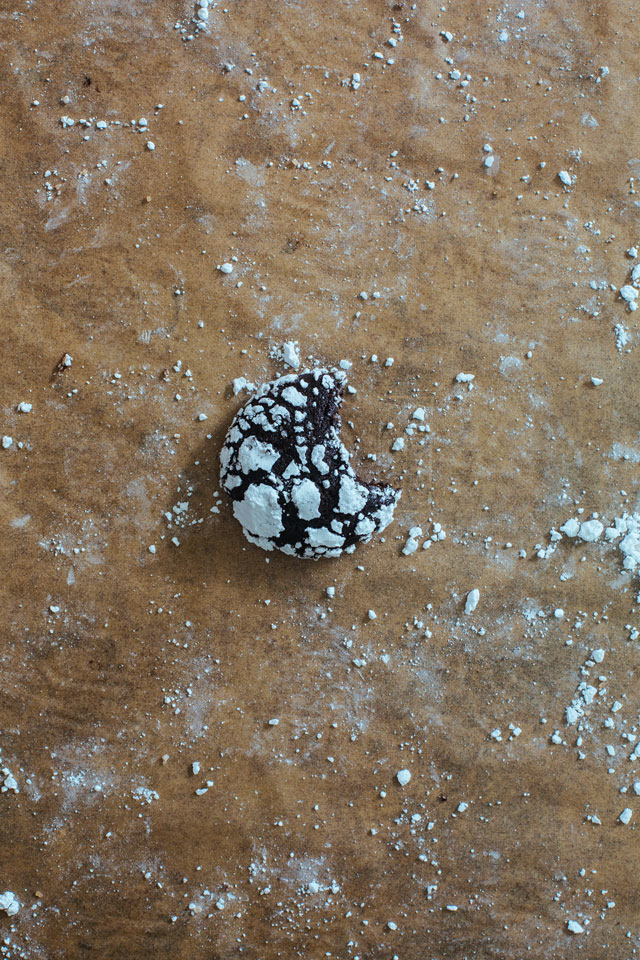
{"type": "Point", "coordinates": [144, 794]}
{"type": "Point", "coordinates": [625, 530]}
{"type": "Point", "coordinates": [306, 496]}
{"type": "Point", "coordinates": [583, 698]}
{"type": "Point", "coordinates": [622, 335]}
{"type": "Point", "coordinates": [629, 293]}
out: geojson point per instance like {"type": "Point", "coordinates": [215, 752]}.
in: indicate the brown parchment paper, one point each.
{"type": "Point", "coordinates": [121, 667]}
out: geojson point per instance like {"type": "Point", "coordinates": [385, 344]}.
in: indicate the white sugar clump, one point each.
{"type": "Point", "coordinates": [321, 537]}
{"type": "Point", "coordinates": [8, 903]}
{"type": "Point", "coordinates": [570, 528]}
{"type": "Point", "coordinates": [256, 455]}
{"type": "Point", "coordinates": [590, 530]}
{"type": "Point", "coordinates": [291, 354]}
{"type": "Point", "coordinates": [241, 383]}
{"type": "Point", "coordinates": [260, 512]}
{"type": "Point", "coordinates": [584, 697]}
{"type": "Point", "coordinates": [412, 541]}
{"type": "Point", "coordinates": [403, 777]}
{"type": "Point", "coordinates": [472, 600]}
{"type": "Point", "coordinates": [317, 458]}
{"type": "Point", "coordinates": [306, 497]}
{"type": "Point", "coordinates": [8, 781]}
{"type": "Point", "coordinates": [630, 545]}
{"type": "Point", "coordinates": [294, 397]}
{"type": "Point", "coordinates": [629, 293]}
{"type": "Point", "coordinates": [353, 495]}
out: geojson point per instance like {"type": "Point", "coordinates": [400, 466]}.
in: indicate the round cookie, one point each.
{"type": "Point", "coordinates": [288, 473]}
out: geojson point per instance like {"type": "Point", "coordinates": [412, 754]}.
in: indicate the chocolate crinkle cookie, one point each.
{"type": "Point", "coordinates": [289, 476]}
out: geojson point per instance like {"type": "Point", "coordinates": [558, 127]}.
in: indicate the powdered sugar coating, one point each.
{"type": "Point", "coordinates": [289, 475]}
